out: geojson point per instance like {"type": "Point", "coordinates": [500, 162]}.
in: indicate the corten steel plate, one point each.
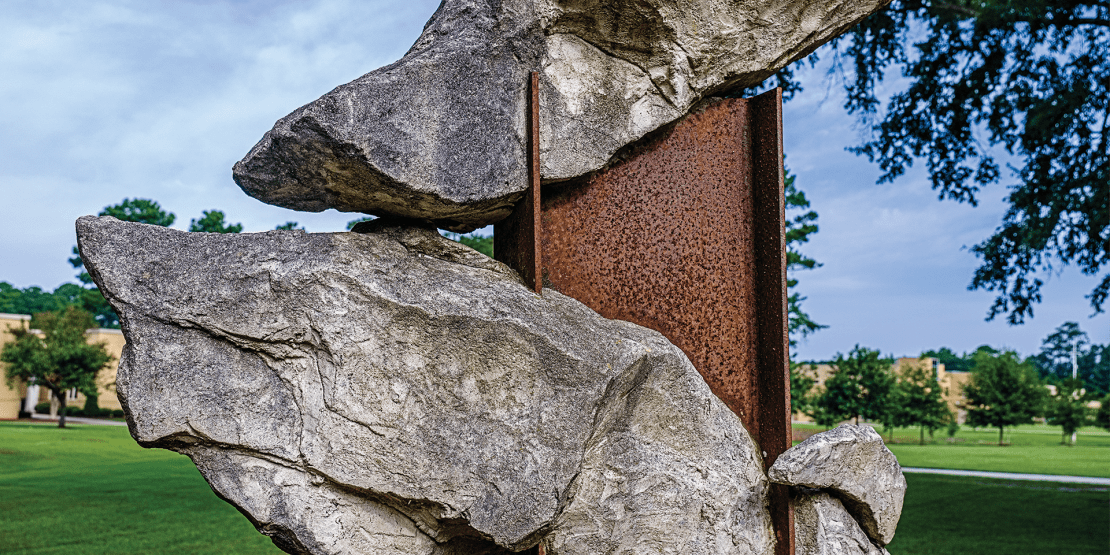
{"type": "Point", "coordinates": [684, 235]}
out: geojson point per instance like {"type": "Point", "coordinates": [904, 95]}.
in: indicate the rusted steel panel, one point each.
{"type": "Point", "coordinates": [664, 238]}
{"type": "Point", "coordinates": [516, 239]}
{"type": "Point", "coordinates": [683, 234]}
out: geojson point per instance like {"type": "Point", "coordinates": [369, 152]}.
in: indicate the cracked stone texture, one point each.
{"type": "Point", "coordinates": [854, 463]}
{"type": "Point", "coordinates": [395, 392]}
{"type": "Point", "coordinates": [440, 134]}
{"type": "Point", "coordinates": [822, 526]}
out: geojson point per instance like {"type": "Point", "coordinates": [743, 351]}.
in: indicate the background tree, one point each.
{"type": "Point", "coordinates": [1029, 78]}
{"type": "Point", "coordinates": [1068, 409]}
{"type": "Point", "coordinates": [860, 386]}
{"type": "Point", "coordinates": [951, 361]}
{"type": "Point", "coordinates": [1094, 368]}
{"type": "Point", "coordinates": [801, 387]}
{"type": "Point", "coordinates": [919, 400]}
{"type": "Point", "coordinates": [213, 221]}
{"type": "Point", "coordinates": [1054, 361]}
{"type": "Point", "coordinates": [1102, 417]}
{"type": "Point", "coordinates": [1003, 391]}
{"type": "Point", "coordinates": [476, 241]}
{"type": "Point", "coordinates": [289, 226]}
{"type": "Point", "coordinates": [351, 224]}
{"type": "Point", "coordinates": [60, 360]}
{"type": "Point", "coordinates": [801, 223]}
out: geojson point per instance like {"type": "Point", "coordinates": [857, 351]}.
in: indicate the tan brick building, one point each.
{"type": "Point", "coordinates": [12, 397]}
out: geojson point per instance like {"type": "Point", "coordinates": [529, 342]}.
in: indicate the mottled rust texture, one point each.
{"type": "Point", "coordinates": [770, 293]}
{"type": "Point", "coordinates": [665, 239]}
{"type": "Point", "coordinates": [685, 235]}
{"type": "Point", "coordinates": [515, 239]}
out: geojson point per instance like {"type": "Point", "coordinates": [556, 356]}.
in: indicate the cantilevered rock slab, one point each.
{"type": "Point", "coordinates": [822, 526]}
{"type": "Point", "coordinates": [440, 134]}
{"type": "Point", "coordinates": [855, 465]}
{"type": "Point", "coordinates": [395, 392]}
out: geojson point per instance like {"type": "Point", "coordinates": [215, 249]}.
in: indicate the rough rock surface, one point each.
{"type": "Point", "coordinates": [395, 392]}
{"type": "Point", "coordinates": [822, 526]}
{"type": "Point", "coordinates": [440, 134]}
{"type": "Point", "coordinates": [855, 464]}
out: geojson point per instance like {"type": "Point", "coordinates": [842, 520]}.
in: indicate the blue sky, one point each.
{"type": "Point", "coordinates": [101, 100]}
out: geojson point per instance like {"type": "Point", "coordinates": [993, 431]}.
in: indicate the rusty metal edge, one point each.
{"type": "Point", "coordinates": [534, 178]}
{"type": "Point", "coordinates": [516, 239]}
{"type": "Point", "coordinates": [771, 299]}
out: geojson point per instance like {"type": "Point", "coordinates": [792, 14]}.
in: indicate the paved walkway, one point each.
{"type": "Point", "coordinates": [1012, 476]}
{"type": "Point", "coordinates": [80, 420]}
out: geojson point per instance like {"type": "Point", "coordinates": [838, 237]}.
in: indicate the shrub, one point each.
{"type": "Point", "coordinates": [42, 408]}
{"type": "Point", "coordinates": [118, 413]}
{"type": "Point", "coordinates": [92, 408]}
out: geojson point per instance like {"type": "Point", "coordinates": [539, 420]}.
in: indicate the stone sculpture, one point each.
{"type": "Point", "coordinates": [389, 391]}
{"type": "Point", "coordinates": [400, 386]}
{"type": "Point", "coordinates": [440, 134]}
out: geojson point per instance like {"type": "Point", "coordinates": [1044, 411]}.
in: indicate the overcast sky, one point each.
{"type": "Point", "coordinates": [102, 100]}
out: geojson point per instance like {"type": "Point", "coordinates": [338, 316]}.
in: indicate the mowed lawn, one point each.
{"type": "Point", "coordinates": [89, 490]}
{"type": "Point", "coordinates": [92, 490]}
{"type": "Point", "coordinates": [1034, 449]}
{"type": "Point", "coordinates": [949, 515]}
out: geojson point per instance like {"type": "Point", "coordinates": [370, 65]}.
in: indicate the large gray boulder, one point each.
{"type": "Point", "coordinates": [395, 392]}
{"type": "Point", "coordinates": [440, 134]}
{"type": "Point", "coordinates": [822, 526]}
{"type": "Point", "coordinates": [854, 464]}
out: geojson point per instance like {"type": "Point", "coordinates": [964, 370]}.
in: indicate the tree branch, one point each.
{"type": "Point", "coordinates": [974, 13]}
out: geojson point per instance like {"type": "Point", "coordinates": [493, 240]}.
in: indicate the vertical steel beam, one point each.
{"type": "Point", "coordinates": [772, 351]}
{"type": "Point", "coordinates": [516, 240]}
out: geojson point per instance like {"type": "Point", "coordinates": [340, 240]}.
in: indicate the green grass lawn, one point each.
{"type": "Point", "coordinates": [93, 490]}
{"type": "Point", "coordinates": [946, 515]}
{"type": "Point", "coordinates": [1034, 449]}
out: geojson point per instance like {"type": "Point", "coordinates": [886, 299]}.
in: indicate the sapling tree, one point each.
{"type": "Point", "coordinates": [861, 386]}
{"type": "Point", "coordinates": [1003, 391]}
{"type": "Point", "coordinates": [1068, 408]}
{"type": "Point", "coordinates": [919, 400]}
{"type": "Point", "coordinates": [60, 359]}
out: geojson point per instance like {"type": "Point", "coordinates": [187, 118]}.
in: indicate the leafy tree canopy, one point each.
{"type": "Point", "coordinates": [951, 361]}
{"type": "Point", "coordinates": [61, 359]}
{"type": "Point", "coordinates": [1068, 407]}
{"type": "Point", "coordinates": [1030, 78]}
{"type": "Point", "coordinates": [351, 224]}
{"type": "Point", "coordinates": [1102, 417]}
{"type": "Point", "coordinates": [860, 386]}
{"type": "Point", "coordinates": [918, 399]}
{"type": "Point", "coordinates": [212, 221]}
{"type": "Point", "coordinates": [1003, 391]}
{"type": "Point", "coordinates": [33, 300]}
{"type": "Point", "coordinates": [290, 226]}
{"type": "Point", "coordinates": [1054, 361]}
{"type": "Point", "coordinates": [140, 210]}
